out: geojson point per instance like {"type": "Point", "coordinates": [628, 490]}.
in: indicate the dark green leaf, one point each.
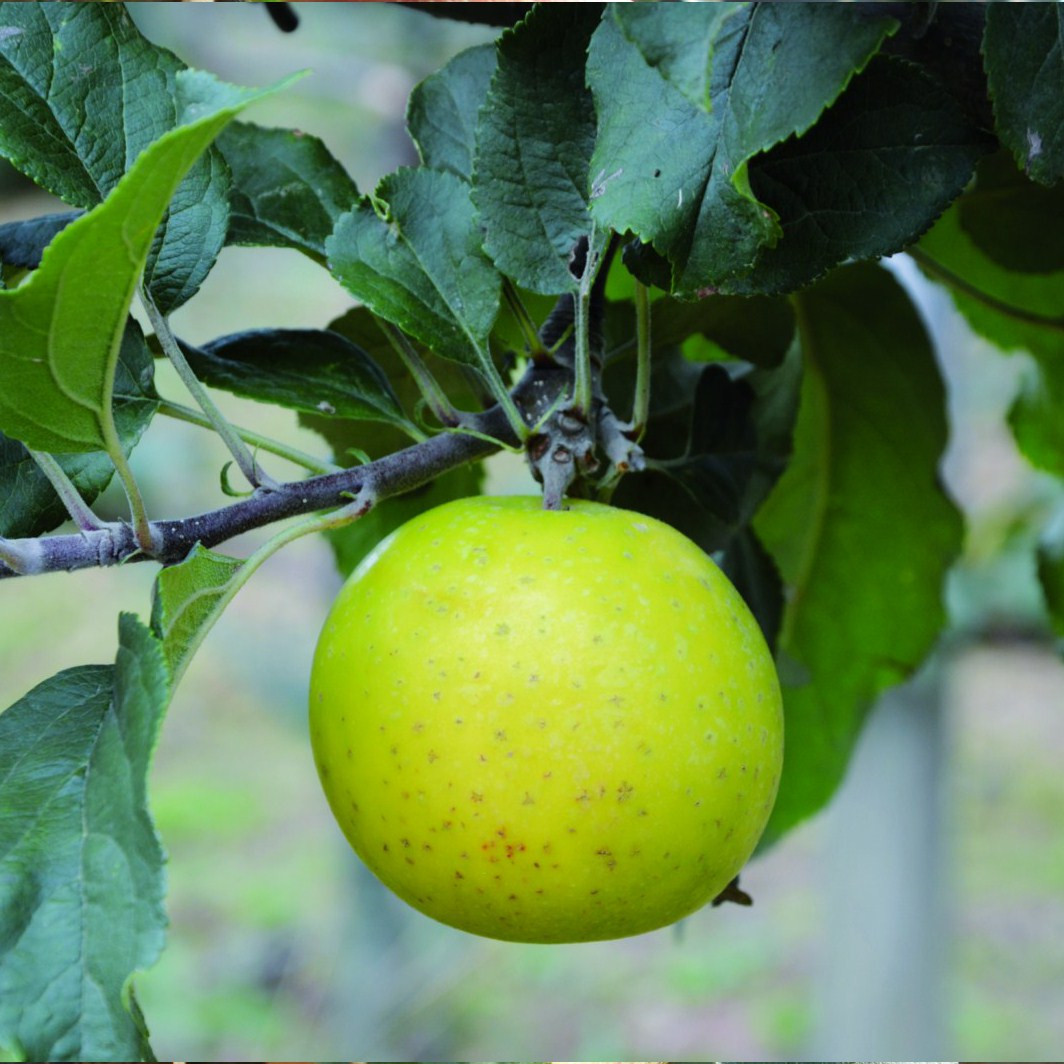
{"type": "Point", "coordinates": [858, 524]}
{"type": "Point", "coordinates": [1024, 57]}
{"type": "Point", "coordinates": [881, 164]}
{"type": "Point", "coordinates": [1014, 222]}
{"type": "Point", "coordinates": [375, 439]}
{"type": "Point", "coordinates": [188, 597]}
{"type": "Point", "coordinates": [82, 94]}
{"type": "Point", "coordinates": [674, 142]}
{"type": "Point", "coordinates": [442, 113]}
{"type": "Point", "coordinates": [312, 370]}
{"type": "Point", "coordinates": [421, 267]}
{"type": "Point", "coordinates": [22, 243]}
{"type": "Point", "coordinates": [288, 190]}
{"type": "Point", "coordinates": [60, 330]}
{"type": "Point", "coordinates": [753, 572]}
{"type": "Point", "coordinates": [81, 868]}
{"type": "Point", "coordinates": [534, 142]}
{"type": "Point", "coordinates": [758, 329]}
{"type": "Point", "coordinates": [28, 504]}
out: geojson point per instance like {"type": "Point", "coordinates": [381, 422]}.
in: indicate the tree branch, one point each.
{"type": "Point", "coordinates": [391, 475]}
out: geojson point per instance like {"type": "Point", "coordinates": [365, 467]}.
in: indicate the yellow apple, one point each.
{"type": "Point", "coordinates": [546, 726]}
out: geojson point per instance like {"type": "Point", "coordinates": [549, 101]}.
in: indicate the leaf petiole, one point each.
{"type": "Point", "coordinates": [79, 510]}
{"type": "Point", "coordinates": [263, 443]}
{"type": "Point", "coordinates": [168, 342]}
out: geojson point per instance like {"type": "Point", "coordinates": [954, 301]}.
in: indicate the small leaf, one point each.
{"type": "Point", "coordinates": [1024, 60]}
{"type": "Point", "coordinates": [28, 504]}
{"type": "Point", "coordinates": [422, 267]}
{"type": "Point", "coordinates": [22, 243]}
{"type": "Point", "coordinates": [61, 328]}
{"type": "Point", "coordinates": [534, 141]}
{"type": "Point", "coordinates": [288, 190]}
{"type": "Point", "coordinates": [858, 524]}
{"type": "Point", "coordinates": [879, 167]}
{"type": "Point", "coordinates": [678, 139]}
{"type": "Point", "coordinates": [312, 370]}
{"type": "Point", "coordinates": [442, 112]}
{"type": "Point", "coordinates": [81, 868]}
{"type": "Point", "coordinates": [188, 599]}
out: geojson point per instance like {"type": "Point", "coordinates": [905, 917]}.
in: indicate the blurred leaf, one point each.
{"type": "Point", "coordinates": [66, 126]}
{"type": "Point", "coordinates": [1013, 221]}
{"type": "Point", "coordinates": [844, 190]}
{"type": "Point", "coordinates": [534, 141]}
{"type": "Point", "coordinates": [1024, 60]}
{"type": "Point", "coordinates": [81, 868]}
{"type": "Point", "coordinates": [22, 243]}
{"type": "Point", "coordinates": [60, 330]}
{"type": "Point", "coordinates": [288, 190]}
{"type": "Point", "coordinates": [188, 597]}
{"type": "Point", "coordinates": [28, 504]}
{"type": "Point", "coordinates": [421, 267]}
{"type": "Point", "coordinates": [312, 370]}
{"type": "Point", "coordinates": [1051, 575]}
{"type": "Point", "coordinates": [1012, 309]}
{"type": "Point", "coordinates": [674, 141]}
{"type": "Point", "coordinates": [442, 112]}
{"type": "Point", "coordinates": [858, 523]}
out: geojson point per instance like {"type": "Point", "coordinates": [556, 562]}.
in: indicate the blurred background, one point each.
{"type": "Point", "coordinates": [921, 916]}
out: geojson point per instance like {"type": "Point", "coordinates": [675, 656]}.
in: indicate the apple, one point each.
{"type": "Point", "coordinates": [546, 726]}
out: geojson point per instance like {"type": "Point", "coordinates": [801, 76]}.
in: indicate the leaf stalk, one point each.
{"type": "Point", "coordinates": [168, 342]}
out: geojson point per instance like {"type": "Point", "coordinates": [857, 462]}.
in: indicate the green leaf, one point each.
{"type": "Point", "coordinates": [421, 266]}
{"type": "Point", "coordinates": [312, 370]}
{"type": "Point", "coordinates": [81, 868]}
{"type": "Point", "coordinates": [675, 142]}
{"type": "Point", "coordinates": [442, 112]}
{"type": "Point", "coordinates": [22, 243]}
{"type": "Point", "coordinates": [1024, 59]}
{"type": "Point", "coordinates": [188, 599]}
{"type": "Point", "coordinates": [858, 524]}
{"type": "Point", "coordinates": [879, 167]}
{"type": "Point", "coordinates": [191, 234]}
{"type": "Point", "coordinates": [82, 94]}
{"type": "Point", "coordinates": [28, 504]}
{"type": "Point", "coordinates": [288, 190]}
{"type": "Point", "coordinates": [60, 330]}
{"type": "Point", "coordinates": [1012, 309]}
{"type": "Point", "coordinates": [534, 142]}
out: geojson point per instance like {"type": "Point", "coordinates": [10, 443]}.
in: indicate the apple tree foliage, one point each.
{"type": "Point", "coordinates": [641, 247]}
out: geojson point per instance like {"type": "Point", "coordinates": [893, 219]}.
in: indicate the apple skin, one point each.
{"type": "Point", "coordinates": [546, 726]}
